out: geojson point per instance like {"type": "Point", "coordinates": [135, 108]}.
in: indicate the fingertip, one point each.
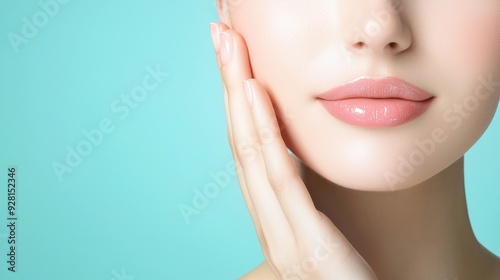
{"type": "Point", "coordinates": [215, 32]}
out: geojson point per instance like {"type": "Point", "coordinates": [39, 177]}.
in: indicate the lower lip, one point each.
{"type": "Point", "coordinates": [367, 112]}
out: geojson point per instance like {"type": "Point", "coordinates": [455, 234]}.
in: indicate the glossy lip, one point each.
{"type": "Point", "coordinates": [385, 102]}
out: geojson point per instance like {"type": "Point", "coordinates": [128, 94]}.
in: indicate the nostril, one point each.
{"type": "Point", "coordinates": [359, 44]}
{"type": "Point", "coordinates": [393, 45]}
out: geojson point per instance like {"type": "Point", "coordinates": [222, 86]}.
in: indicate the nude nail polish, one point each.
{"type": "Point", "coordinates": [215, 31]}
{"type": "Point", "coordinates": [226, 47]}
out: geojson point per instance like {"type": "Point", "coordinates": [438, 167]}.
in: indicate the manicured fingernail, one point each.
{"type": "Point", "coordinates": [249, 92]}
{"type": "Point", "coordinates": [215, 31]}
{"type": "Point", "coordinates": [226, 47]}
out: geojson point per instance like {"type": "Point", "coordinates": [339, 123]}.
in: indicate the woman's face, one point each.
{"type": "Point", "coordinates": [300, 49]}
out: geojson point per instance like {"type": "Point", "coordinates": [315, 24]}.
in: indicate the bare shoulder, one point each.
{"type": "Point", "coordinates": [261, 272]}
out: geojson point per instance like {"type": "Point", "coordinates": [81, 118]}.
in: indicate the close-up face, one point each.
{"type": "Point", "coordinates": [432, 69]}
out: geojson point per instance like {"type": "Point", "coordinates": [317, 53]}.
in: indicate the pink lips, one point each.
{"type": "Point", "coordinates": [383, 102]}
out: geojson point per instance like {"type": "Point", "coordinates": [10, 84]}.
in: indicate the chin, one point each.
{"type": "Point", "coordinates": [374, 174]}
{"type": "Point", "coordinates": [383, 160]}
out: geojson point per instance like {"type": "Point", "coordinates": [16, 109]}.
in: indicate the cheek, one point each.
{"type": "Point", "coordinates": [467, 38]}
{"type": "Point", "coordinates": [285, 39]}
{"type": "Point", "coordinates": [462, 49]}
{"type": "Point", "coordinates": [290, 45]}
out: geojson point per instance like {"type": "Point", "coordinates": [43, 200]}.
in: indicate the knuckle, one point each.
{"type": "Point", "coordinates": [268, 134]}
{"type": "Point", "coordinates": [281, 181]}
{"type": "Point", "coordinates": [245, 151]}
{"type": "Point", "coordinates": [276, 180]}
{"type": "Point", "coordinates": [231, 84]}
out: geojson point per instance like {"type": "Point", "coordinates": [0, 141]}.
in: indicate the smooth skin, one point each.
{"type": "Point", "coordinates": [293, 232]}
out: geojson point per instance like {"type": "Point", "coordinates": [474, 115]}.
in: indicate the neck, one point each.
{"type": "Point", "coordinates": [422, 232]}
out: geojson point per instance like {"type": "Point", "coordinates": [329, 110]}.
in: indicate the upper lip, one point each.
{"type": "Point", "coordinates": [384, 88]}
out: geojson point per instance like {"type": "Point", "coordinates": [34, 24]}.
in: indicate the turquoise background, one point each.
{"type": "Point", "coordinates": [116, 214]}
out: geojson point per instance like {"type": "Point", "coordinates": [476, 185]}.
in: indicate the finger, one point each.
{"type": "Point", "coordinates": [242, 183]}
{"type": "Point", "coordinates": [235, 68]}
{"type": "Point", "coordinates": [216, 29]}
{"type": "Point", "coordinates": [290, 190]}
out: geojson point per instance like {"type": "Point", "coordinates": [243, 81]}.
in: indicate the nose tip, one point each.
{"type": "Point", "coordinates": [382, 32]}
{"type": "Point", "coordinates": [392, 39]}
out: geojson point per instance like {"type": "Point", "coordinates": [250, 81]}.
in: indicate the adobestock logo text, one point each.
{"type": "Point", "coordinates": [122, 108]}
{"type": "Point", "coordinates": [32, 25]}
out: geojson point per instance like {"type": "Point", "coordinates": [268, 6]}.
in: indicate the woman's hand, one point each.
{"type": "Point", "coordinates": [298, 241]}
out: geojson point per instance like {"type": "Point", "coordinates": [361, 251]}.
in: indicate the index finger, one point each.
{"type": "Point", "coordinates": [291, 192]}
